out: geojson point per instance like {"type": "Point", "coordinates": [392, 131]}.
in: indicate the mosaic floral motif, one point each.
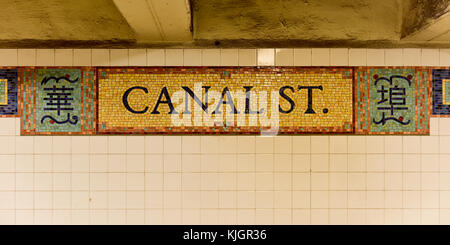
{"type": "Point", "coordinates": [225, 100]}
{"type": "Point", "coordinates": [8, 93]}
{"type": "Point", "coordinates": [58, 101]}
{"type": "Point", "coordinates": [441, 92]}
{"type": "Point", "coordinates": [392, 100]}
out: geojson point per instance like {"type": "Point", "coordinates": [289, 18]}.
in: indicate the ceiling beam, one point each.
{"type": "Point", "coordinates": [157, 20]}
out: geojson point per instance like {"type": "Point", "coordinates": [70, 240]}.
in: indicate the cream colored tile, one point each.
{"type": "Point", "coordinates": [172, 163]}
{"type": "Point", "coordinates": [319, 199]}
{"type": "Point", "coordinates": [172, 144]}
{"type": "Point", "coordinates": [338, 199]}
{"type": "Point", "coordinates": [339, 57]}
{"type": "Point", "coordinates": [319, 181]}
{"type": "Point", "coordinates": [375, 163]}
{"type": "Point", "coordinates": [411, 216]}
{"type": "Point", "coordinates": [61, 144]}
{"type": "Point", "coordinates": [8, 126]}
{"type": "Point", "coordinates": [338, 181]}
{"type": "Point", "coordinates": [357, 56]}
{"type": "Point", "coordinates": [246, 217]}
{"type": "Point", "coordinates": [8, 57]}
{"type": "Point", "coordinates": [264, 144]}
{"type": "Point", "coordinates": [192, 57]}
{"type": "Point", "coordinates": [356, 162]}
{"type": "Point", "coordinates": [375, 181]}
{"type": "Point", "coordinates": [80, 144]}
{"type": "Point", "coordinates": [375, 144]}
{"type": "Point", "coordinates": [430, 144]}
{"type": "Point", "coordinates": [393, 57]}
{"type": "Point", "coordinates": [375, 217]}
{"type": "Point", "coordinates": [264, 181]}
{"type": "Point", "coordinates": [429, 216]}
{"type": "Point", "coordinates": [444, 57]}
{"type": "Point", "coordinates": [82, 57]}
{"type": "Point", "coordinates": [43, 200]}
{"type": "Point", "coordinates": [24, 145]}
{"type": "Point", "coordinates": [375, 57]}
{"type": "Point", "coordinates": [62, 163]}
{"type": "Point", "coordinates": [100, 57]}
{"type": "Point", "coordinates": [247, 57]}
{"type": "Point", "coordinates": [24, 181]}
{"type": "Point", "coordinates": [357, 216]}
{"type": "Point", "coordinates": [245, 163]}
{"type": "Point", "coordinates": [301, 162]}
{"type": "Point", "coordinates": [229, 57]}
{"type": "Point", "coordinates": [444, 181]}
{"type": "Point", "coordinates": [412, 56]}
{"type": "Point", "coordinates": [411, 144]}
{"type": "Point", "coordinates": [283, 144]}
{"type": "Point", "coordinates": [117, 199]}
{"type": "Point", "coordinates": [210, 57]}
{"type": "Point", "coordinates": [444, 126]}
{"type": "Point", "coordinates": [301, 181]}
{"type": "Point", "coordinates": [156, 57]}
{"type": "Point", "coordinates": [7, 181]}
{"type": "Point", "coordinates": [135, 144]}
{"type": "Point", "coordinates": [137, 57]}
{"type": "Point", "coordinates": [444, 162]}
{"type": "Point", "coordinates": [301, 144]}
{"type": "Point", "coordinates": [357, 144]}
{"type": "Point", "coordinates": [430, 57]}
{"type": "Point", "coordinates": [246, 144]}
{"type": "Point", "coordinates": [393, 144]}
{"type": "Point", "coordinates": [45, 57]}
{"type": "Point", "coordinates": [24, 200]}
{"type": "Point", "coordinates": [444, 143]}
{"type": "Point", "coordinates": [411, 181]}
{"type": "Point", "coordinates": [135, 200]}
{"type": "Point", "coordinates": [301, 199]}
{"type": "Point", "coordinates": [430, 163]}
{"type": "Point", "coordinates": [319, 144]}
{"type": "Point", "coordinates": [319, 162]}
{"type": "Point", "coordinates": [26, 57]}
{"type": "Point", "coordinates": [154, 144]}
{"type": "Point", "coordinates": [375, 199]}
{"type": "Point", "coordinates": [43, 163]}
{"type": "Point", "coordinates": [338, 162]}
{"type": "Point", "coordinates": [434, 126]}
{"type": "Point", "coordinates": [63, 57]}
{"type": "Point", "coordinates": [264, 216]}
{"type": "Point", "coordinates": [264, 162]}
{"type": "Point", "coordinates": [357, 181]}
{"type": "Point", "coordinates": [191, 163]}
{"type": "Point", "coordinates": [282, 181]}
{"type": "Point", "coordinates": [266, 57]}
{"type": "Point", "coordinates": [302, 57]}
{"type": "Point", "coordinates": [118, 57]}
{"type": "Point", "coordinates": [393, 199]}
{"type": "Point", "coordinates": [301, 216]}
{"type": "Point", "coordinates": [283, 162]}
{"type": "Point", "coordinates": [9, 163]}
{"type": "Point", "coordinates": [430, 199]}
{"type": "Point", "coordinates": [338, 216]}
{"type": "Point", "coordinates": [320, 56]}
{"type": "Point", "coordinates": [264, 199]}
{"type": "Point", "coordinates": [394, 162]}
{"type": "Point", "coordinates": [98, 163]}
{"type": "Point", "coordinates": [284, 57]}
{"type": "Point", "coordinates": [429, 181]}
{"type": "Point", "coordinates": [338, 144]}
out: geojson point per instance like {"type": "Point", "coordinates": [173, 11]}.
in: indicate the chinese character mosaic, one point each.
{"type": "Point", "coordinates": [58, 101]}
{"type": "Point", "coordinates": [392, 100]}
{"type": "Point", "coordinates": [441, 92]}
{"type": "Point", "coordinates": [8, 93]}
{"type": "Point", "coordinates": [225, 100]}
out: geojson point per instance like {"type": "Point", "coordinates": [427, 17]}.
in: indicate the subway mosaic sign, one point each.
{"type": "Point", "coordinates": [225, 100]}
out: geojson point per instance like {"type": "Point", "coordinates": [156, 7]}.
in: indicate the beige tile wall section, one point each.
{"type": "Point", "coordinates": [225, 179]}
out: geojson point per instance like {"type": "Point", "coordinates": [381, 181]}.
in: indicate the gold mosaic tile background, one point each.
{"type": "Point", "coordinates": [333, 105]}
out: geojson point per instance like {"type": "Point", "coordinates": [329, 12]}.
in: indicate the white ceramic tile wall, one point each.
{"type": "Point", "coordinates": [225, 179]}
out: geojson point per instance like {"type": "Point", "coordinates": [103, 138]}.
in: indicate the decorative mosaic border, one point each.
{"type": "Point", "coordinates": [12, 93]}
{"type": "Point", "coordinates": [439, 109]}
{"type": "Point", "coordinates": [221, 130]}
{"type": "Point", "coordinates": [28, 77]}
{"type": "Point", "coordinates": [423, 86]}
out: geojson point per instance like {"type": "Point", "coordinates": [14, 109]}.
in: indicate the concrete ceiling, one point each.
{"type": "Point", "coordinates": [224, 23]}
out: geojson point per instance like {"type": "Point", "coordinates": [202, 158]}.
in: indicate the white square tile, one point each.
{"type": "Point", "coordinates": [174, 57]}
{"type": "Point", "coordinates": [284, 57]}
{"type": "Point", "coordinates": [26, 57]}
{"type": "Point", "coordinates": [192, 57]}
{"type": "Point", "coordinates": [319, 144]}
{"type": "Point", "coordinates": [82, 57]}
{"type": "Point", "coordinates": [63, 57]}
{"type": "Point", "coordinates": [118, 57]}
{"type": "Point", "coordinates": [7, 144]}
{"type": "Point", "coordinates": [430, 57]}
{"type": "Point", "coordinates": [393, 57]}
{"type": "Point", "coordinates": [61, 144]}
{"type": "Point", "coordinates": [266, 57]}
{"type": "Point", "coordinates": [156, 57]}
{"type": "Point", "coordinates": [45, 57]}
{"type": "Point", "coordinates": [137, 57]}
{"type": "Point", "coordinates": [357, 57]}
{"type": "Point", "coordinates": [412, 56]}
{"type": "Point", "coordinates": [320, 57]}
{"type": "Point", "coordinates": [8, 57]}
{"type": "Point", "coordinates": [100, 57]}
{"type": "Point", "coordinates": [135, 144]}
{"type": "Point", "coordinates": [444, 57]}
{"type": "Point", "coordinates": [154, 144]}
{"type": "Point", "coordinates": [339, 57]}
{"type": "Point", "coordinates": [247, 57]}
{"type": "Point", "coordinates": [210, 57]}
{"type": "Point", "coordinates": [375, 57]}
{"type": "Point", "coordinates": [302, 57]}
{"type": "Point", "coordinates": [7, 126]}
